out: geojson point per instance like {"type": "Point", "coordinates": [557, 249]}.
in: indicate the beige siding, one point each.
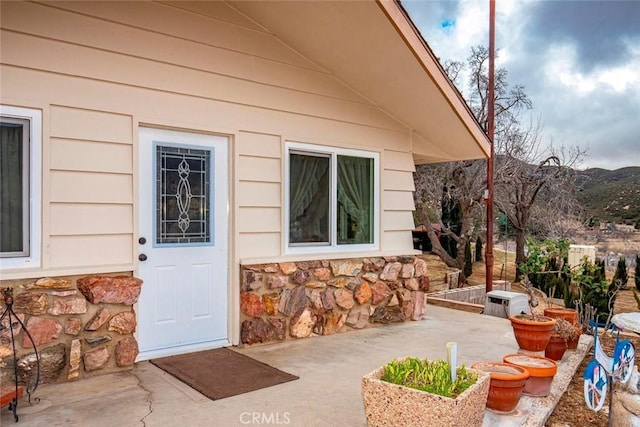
{"type": "Point", "coordinates": [261, 145]}
{"type": "Point", "coordinates": [80, 251]}
{"type": "Point", "coordinates": [398, 180]}
{"type": "Point", "coordinates": [220, 60]}
{"type": "Point", "coordinates": [90, 187]}
{"type": "Point", "coordinates": [163, 19]}
{"type": "Point", "coordinates": [69, 219]}
{"type": "Point", "coordinates": [397, 241]}
{"type": "Point", "coordinates": [82, 155]}
{"type": "Point", "coordinates": [259, 169]}
{"type": "Point", "coordinates": [218, 10]}
{"type": "Point", "coordinates": [188, 112]}
{"type": "Point", "coordinates": [254, 245]}
{"type": "Point", "coordinates": [397, 201]}
{"type": "Point", "coordinates": [264, 194]}
{"type": "Point", "coordinates": [397, 221]}
{"type": "Point", "coordinates": [99, 72]}
{"type": "Point", "coordinates": [398, 161]}
{"type": "Point", "coordinates": [259, 194]}
{"type": "Point", "coordinates": [259, 220]}
{"type": "Point", "coordinates": [102, 126]}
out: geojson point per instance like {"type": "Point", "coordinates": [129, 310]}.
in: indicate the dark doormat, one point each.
{"type": "Point", "coordinates": [222, 372]}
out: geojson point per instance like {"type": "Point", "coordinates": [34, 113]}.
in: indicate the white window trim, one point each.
{"type": "Point", "coordinates": [333, 247]}
{"type": "Point", "coordinates": [35, 188]}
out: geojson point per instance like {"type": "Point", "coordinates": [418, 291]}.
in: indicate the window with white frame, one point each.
{"type": "Point", "coordinates": [331, 198]}
{"type": "Point", "coordinates": [19, 187]}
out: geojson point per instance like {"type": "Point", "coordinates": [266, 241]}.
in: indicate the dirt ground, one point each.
{"type": "Point", "coordinates": [571, 411]}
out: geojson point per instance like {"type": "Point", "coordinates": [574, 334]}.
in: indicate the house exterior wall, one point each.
{"type": "Point", "coordinates": [99, 72]}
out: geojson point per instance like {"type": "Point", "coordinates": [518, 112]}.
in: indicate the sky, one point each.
{"type": "Point", "coordinates": [579, 63]}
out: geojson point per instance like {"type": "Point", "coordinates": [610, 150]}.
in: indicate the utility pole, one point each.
{"type": "Point", "coordinates": [490, 132]}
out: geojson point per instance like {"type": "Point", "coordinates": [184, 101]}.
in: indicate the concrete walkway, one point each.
{"type": "Point", "coordinates": [327, 393]}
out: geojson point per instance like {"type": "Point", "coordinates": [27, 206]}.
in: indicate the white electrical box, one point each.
{"type": "Point", "coordinates": [505, 304]}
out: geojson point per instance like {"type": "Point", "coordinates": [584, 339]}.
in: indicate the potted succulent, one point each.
{"type": "Point", "coordinates": [532, 331]}
{"type": "Point", "coordinates": [411, 391]}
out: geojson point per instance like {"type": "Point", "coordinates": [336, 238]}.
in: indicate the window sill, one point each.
{"type": "Point", "coordinates": [36, 273]}
{"type": "Point", "coordinates": [326, 255]}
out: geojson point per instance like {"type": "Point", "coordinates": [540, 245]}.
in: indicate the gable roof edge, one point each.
{"type": "Point", "coordinates": [400, 19]}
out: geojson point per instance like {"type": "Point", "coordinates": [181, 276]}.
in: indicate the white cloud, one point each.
{"type": "Point", "coordinates": [584, 92]}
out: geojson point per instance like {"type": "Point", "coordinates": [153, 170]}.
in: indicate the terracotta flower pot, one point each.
{"type": "Point", "coordinates": [573, 343]}
{"type": "Point", "coordinates": [555, 348]}
{"type": "Point", "coordinates": [532, 335]}
{"type": "Point", "coordinates": [505, 388]}
{"type": "Point", "coordinates": [541, 372]}
{"type": "Point", "coordinates": [568, 314]}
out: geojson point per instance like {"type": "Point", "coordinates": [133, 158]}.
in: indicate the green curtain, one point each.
{"type": "Point", "coordinates": [355, 195]}
{"type": "Point", "coordinates": [11, 190]}
{"type": "Point", "coordinates": [308, 198]}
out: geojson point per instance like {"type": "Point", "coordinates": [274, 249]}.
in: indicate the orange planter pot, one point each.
{"type": "Point", "coordinates": [568, 314]}
{"type": "Point", "coordinates": [506, 386]}
{"type": "Point", "coordinates": [573, 344]}
{"type": "Point", "coordinates": [571, 316]}
{"type": "Point", "coordinates": [532, 335]}
{"type": "Point", "coordinates": [555, 348]}
{"type": "Point", "coordinates": [541, 372]}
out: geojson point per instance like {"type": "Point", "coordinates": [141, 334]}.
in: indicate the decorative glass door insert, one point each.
{"type": "Point", "coordinates": [183, 196]}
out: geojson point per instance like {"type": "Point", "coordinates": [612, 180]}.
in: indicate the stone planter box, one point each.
{"type": "Point", "coordinates": [387, 404]}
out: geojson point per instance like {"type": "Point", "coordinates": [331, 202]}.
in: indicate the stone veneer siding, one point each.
{"type": "Point", "coordinates": [299, 299]}
{"type": "Point", "coordinates": [80, 326]}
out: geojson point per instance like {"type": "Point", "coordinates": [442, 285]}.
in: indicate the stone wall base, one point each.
{"type": "Point", "coordinates": [298, 299]}
{"type": "Point", "coordinates": [80, 325]}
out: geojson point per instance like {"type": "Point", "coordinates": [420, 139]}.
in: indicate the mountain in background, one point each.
{"type": "Point", "coordinates": [611, 196]}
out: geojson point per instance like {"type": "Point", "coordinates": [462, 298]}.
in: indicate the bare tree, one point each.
{"type": "Point", "coordinates": [524, 173]}
{"type": "Point", "coordinates": [465, 181]}
{"type": "Point", "coordinates": [509, 101]}
{"type": "Point", "coordinates": [532, 185]}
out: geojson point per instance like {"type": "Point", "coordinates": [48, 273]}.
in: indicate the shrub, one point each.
{"type": "Point", "coordinates": [621, 276]}
{"type": "Point", "coordinates": [601, 273]}
{"type": "Point", "coordinates": [568, 295]}
{"type": "Point", "coordinates": [547, 266]}
{"type": "Point", "coordinates": [594, 290]}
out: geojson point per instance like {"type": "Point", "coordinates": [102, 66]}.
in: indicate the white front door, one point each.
{"type": "Point", "coordinates": [182, 242]}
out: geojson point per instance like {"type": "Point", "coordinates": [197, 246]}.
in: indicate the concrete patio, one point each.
{"type": "Point", "coordinates": [327, 393]}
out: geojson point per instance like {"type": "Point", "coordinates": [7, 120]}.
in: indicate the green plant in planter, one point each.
{"type": "Point", "coordinates": [433, 376]}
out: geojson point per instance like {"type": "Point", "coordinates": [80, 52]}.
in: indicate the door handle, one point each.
{"type": "Point", "coordinates": [142, 257]}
